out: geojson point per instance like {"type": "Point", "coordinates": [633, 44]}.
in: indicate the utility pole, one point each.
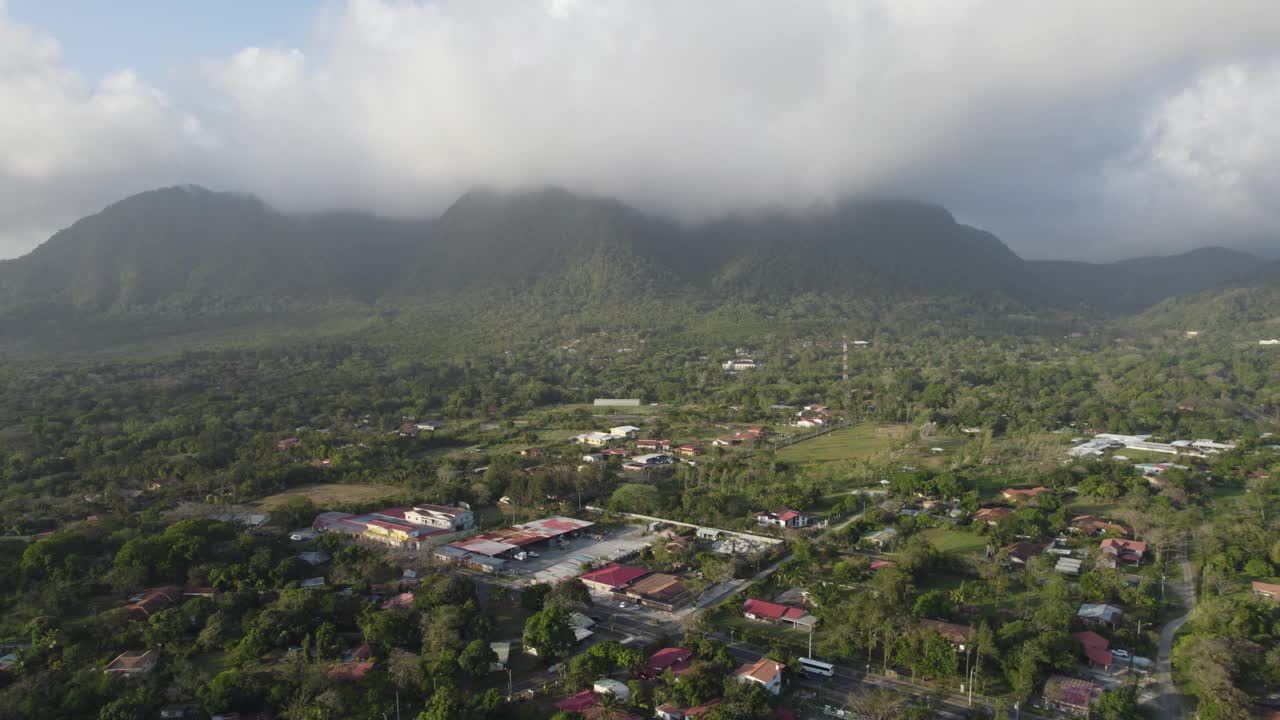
{"type": "Point", "coordinates": [508, 669]}
{"type": "Point", "coordinates": [845, 373]}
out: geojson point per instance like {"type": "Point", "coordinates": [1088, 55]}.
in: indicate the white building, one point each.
{"type": "Point", "coordinates": [764, 672]}
{"type": "Point", "coordinates": [455, 519]}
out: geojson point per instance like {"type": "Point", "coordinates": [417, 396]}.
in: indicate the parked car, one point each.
{"type": "Point", "coordinates": [1121, 654]}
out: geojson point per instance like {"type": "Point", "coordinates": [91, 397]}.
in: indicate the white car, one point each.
{"type": "Point", "coordinates": [1121, 654]}
{"type": "Point", "coordinates": [623, 606]}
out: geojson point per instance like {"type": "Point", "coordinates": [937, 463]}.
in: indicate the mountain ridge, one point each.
{"type": "Point", "coordinates": [189, 245]}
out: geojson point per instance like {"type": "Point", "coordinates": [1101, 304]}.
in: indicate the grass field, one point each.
{"type": "Point", "coordinates": [860, 442]}
{"type": "Point", "coordinates": [956, 541]}
{"type": "Point", "coordinates": [327, 494]}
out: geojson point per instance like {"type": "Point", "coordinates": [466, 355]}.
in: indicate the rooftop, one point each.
{"type": "Point", "coordinates": [614, 575]}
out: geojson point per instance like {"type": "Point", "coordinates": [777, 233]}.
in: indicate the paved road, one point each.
{"type": "Point", "coordinates": [1168, 702]}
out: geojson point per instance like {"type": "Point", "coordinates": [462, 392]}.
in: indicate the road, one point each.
{"type": "Point", "coordinates": [1168, 702]}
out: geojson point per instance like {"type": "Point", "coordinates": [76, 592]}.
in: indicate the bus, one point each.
{"type": "Point", "coordinates": [817, 667]}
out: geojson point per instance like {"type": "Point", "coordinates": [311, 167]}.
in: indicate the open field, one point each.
{"type": "Point", "coordinates": [860, 442]}
{"type": "Point", "coordinates": [326, 494]}
{"type": "Point", "coordinates": [956, 541]}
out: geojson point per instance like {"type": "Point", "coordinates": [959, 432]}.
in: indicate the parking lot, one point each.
{"type": "Point", "coordinates": [554, 564]}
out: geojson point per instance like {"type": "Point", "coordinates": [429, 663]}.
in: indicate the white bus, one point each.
{"type": "Point", "coordinates": [817, 667]}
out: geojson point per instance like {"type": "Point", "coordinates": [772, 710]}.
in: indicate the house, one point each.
{"type": "Point", "coordinates": [675, 659]}
{"type": "Point", "coordinates": [578, 703]}
{"type": "Point", "coordinates": [1093, 525]}
{"type": "Point", "coordinates": [611, 578]}
{"type": "Point", "coordinates": [364, 651]}
{"type": "Point", "coordinates": [152, 601]}
{"type": "Point", "coordinates": [726, 441]}
{"type": "Point", "coordinates": [1070, 695]}
{"type": "Point", "coordinates": [313, 583]}
{"type": "Point", "coordinates": [882, 538]}
{"type": "Point", "coordinates": [784, 517]}
{"type": "Point", "coordinates": [1266, 590]}
{"type": "Point", "coordinates": [398, 602]}
{"type": "Point", "coordinates": [355, 670]}
{"type": "Point", "coordinates": [653, 444]}
{"type": "Point", "coordinates": [593, 458]}
{"type": "Point", "coordinates": [626, 431]}
{"type": "Point", "coordinates": [1096, 649]}
{"type": "Point", "coordinates": [287, 443]}
{"type": "Point", "coordinates": [991, 515]}
{"type": "Point", "coordinates": [609, 686]}
{"type": "Point", "coordinates": [615, 452]}
{"type": "Point", "coordinates": [1069, 566]}
{"type": "Point", "coordinates": [738, 364]}
{"type": "Point", "coordinates": [1099, 613]}
{"type": "Point", "coordinates": [811, 422]}
{"type": "Point", "coordinates": [304, 534]}
{"type": "Point", "coordinates": [445, 517]}
{"type": "Point", "coordinates": [659, 591]}
{"type": "Point", "coordinates": [132, 663]}
{"type": "Point", "coordinates": [689, 450]}
{"type": "Point", "coordinates": [957, 635]}
{"type": "Point", "coordinates": [1021, 494]}
{"type": "Point", "coordinates": [597, 439]}
{"type": "Point", "coordinates": [1020, 553]}
{"type": "Point", "coordinates": [1123, 551]}
{"type": "Point", "coordinates": [706, 533]}
{"type": "Point", "coordinates": [531, 452]}
{"type": "Point", "coordinates": [315, 557]}
{"type": "Point", "coordinates": [764, 672]}
{"type": "Point", "coordinates": [765, 611]}
{"type": "Point", "coordinates": [503, 651]}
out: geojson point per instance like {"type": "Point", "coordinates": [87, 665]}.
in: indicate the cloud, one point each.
{"type": "Point", "coordinates": [1064, 126]}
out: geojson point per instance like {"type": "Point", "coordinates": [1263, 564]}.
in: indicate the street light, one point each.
{"type": "Point", "coordinates": [508, 669]}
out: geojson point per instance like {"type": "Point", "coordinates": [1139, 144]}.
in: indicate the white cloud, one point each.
{"type": "Point", "coordinates": [1047, 122]}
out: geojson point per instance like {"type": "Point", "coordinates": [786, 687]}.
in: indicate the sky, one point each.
{"type": "Point", "coordinates": [1081, 129]}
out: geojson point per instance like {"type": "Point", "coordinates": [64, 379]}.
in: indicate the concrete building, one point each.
{"type": "Point", "coordinates": [446, 517]}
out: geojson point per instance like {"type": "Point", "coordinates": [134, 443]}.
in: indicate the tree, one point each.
{"type": "Point", "coordinates": [445, 704]}
{"type": "Point", "coordinates": [935, 604]}
{"type": "Point", "coordinates": [1119, 704]}
{"type": "Point", "coordinates": [533, 597]}
{"type": "Point", "coordinates": [877, 704]}
{"type": "Point", "coordinates": [476, 658]}
{"type": "Point", "coordinates": [548, 632]}
{"type": "Point", "coordinates": [571, 594]}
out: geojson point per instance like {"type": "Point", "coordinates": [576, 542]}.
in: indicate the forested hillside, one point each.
{"type": "Point", "coordinates": [224, 260]}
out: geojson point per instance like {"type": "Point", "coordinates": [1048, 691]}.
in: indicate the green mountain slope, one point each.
{"type": "Point", "coordinates": [186, 247]}
{"type": "Point", "coordinates": [187, 244]}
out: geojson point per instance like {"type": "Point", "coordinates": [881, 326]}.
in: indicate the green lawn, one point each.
{"type": "Point", "coordinates": [860, 442]}
{"type": "Point", "coordinates": [956, 541]}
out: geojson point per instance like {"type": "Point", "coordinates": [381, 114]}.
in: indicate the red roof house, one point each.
{"type": "Point", "coordinates": [612, 577]}
{"type": "Point", "coordinates": [766, 611]}
{"type": "Point", "coordinates": [1124, 551]}
{"type": "Point", "coordinates": [675, 659]}
{"type": "Point", "coordinates": [1096, 648]}
{"type": "Point", "coordinates": [578, 703]}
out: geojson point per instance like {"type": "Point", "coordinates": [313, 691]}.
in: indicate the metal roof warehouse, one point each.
{"type": "Point", "coordinates": [507, 540]}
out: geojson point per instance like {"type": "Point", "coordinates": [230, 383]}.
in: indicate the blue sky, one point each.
{"type": "Point", "coordinates": [159, 38]}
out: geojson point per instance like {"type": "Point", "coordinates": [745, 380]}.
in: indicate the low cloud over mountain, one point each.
{"type": "Point", "coordinates": [1084, 130]}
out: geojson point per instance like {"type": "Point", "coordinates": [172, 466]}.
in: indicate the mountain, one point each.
{"type": "Point", "coordinates": [545, 240]}
{"type": "Point", "coordinates": [1247, 304]}
{"type": "Point", "coordinates": [187, 247]}
{"type": "Point", "coordinates": [187, 244]}
{"type": "Point", "coordinates": [884, 247]}
{"type": "Point", "coordinates": [1132, 285]}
